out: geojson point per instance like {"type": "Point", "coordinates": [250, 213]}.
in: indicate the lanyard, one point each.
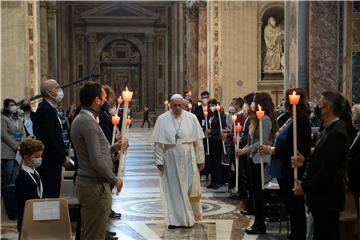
{"type": "Point", "coordinates": [38, 189]}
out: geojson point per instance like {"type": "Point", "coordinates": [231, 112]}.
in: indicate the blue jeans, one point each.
{"type": "Point", "coordinates": [8, 171]}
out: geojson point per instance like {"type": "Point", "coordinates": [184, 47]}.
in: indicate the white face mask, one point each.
{"type": "Point", "coordinates": [212, 108]}
{"type": "Point", "coordinates": [253, 106]}
{"type": "Point", "coordinates": [204, 101]}
{"type": "Point", "coordinates": [112, 111]}
{"type": "Point", "coordinates": [59, 95]}
{"type": "Point", "coordinates": [13, 109]}
{"type": "Point", "coordinates": [232, 109]}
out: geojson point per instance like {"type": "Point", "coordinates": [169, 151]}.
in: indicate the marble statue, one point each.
{"type": "Point", "coordinates": [274, 38]}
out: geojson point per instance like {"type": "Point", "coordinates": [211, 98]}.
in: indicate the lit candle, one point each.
{"type": "Point", "coordinates": [234, 118]}
{"type": "Point", "coordinates": [120, 101]}
{"type": "Point", "coordinates": [294, 100]}
{"type": "Point", "coordinates": [260, 115]}
{"type": "Point", "coordinates": [218, 108]}
{"type": "Point", "coordinates": [189, 94]}
{"type": "Point", "coordinates": [206, 114]}
{"type": "Point", "coordinates": [189, 106]}
{"type": "Point", "coordinates": [238, 131]}
{"type": "Point", "coordinates": [115, 121]}
{"type": "Point", "coordinates": [166, 103]}
{"type": "Point", "coordinates": [127, 96]}
{"type": "Point", "coordinates": [199, 104]}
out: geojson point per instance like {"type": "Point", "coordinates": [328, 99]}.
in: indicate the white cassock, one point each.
{"type": "Point", "coordinates": [179, 148]}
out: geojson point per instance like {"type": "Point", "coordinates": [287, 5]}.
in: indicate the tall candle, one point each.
{"type": "Point", "coordinates": [260, 115]}
{"type": "Point", "coordinates": [206, 114]}
{"type": "Point", "coordinates": [189, 106]}
{"type": "Point", "coordinates": [294, 100]}
{"type": "Point", "coordinates": [127, 96]}
{"type": "Point", "coordinates": [218, 108]}
{"type": "Point", "coordinates": [238, 131]}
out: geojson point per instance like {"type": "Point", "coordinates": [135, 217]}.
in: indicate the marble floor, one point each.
{"type": "Point", "coordinates": [142, 214]}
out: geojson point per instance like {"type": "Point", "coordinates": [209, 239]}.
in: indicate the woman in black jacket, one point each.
{"type": "Point", "coordinates": [282, 151]}
{"type": "Point", "coordinates": [215, 145]}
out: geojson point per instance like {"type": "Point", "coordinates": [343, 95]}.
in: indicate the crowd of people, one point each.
{"type": "Point", "coordinates": [35, 148]}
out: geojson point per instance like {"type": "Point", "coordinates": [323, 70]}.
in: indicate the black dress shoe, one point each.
{"type": "Point", "coordinates": [247, 212]}
{"type": "Point", "coordinates": [109, 236]}
{"type": "Point", "coordinates": [114, 215]}
{"type": "Point", "coordinates": [173, 227]}
{"type": "Point", "coordinates": [113, 234]}
{"type": "Point", "coordinates": [211, 185]}
{"type": "Point", "coordinates": [236, 196]}
{"type": "Point", "coordinates": [254, 229]}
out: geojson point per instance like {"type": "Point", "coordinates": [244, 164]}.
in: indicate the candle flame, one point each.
{"type": "Point", "coordinates": [294, 93]}
{"type": "Point", "coordinates": [259, 107]}
{"type": "Point", "coordinates": [126, 89]}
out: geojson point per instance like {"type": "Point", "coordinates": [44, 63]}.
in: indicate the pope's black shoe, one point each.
{"type": "Point", "coordinates": [255, 229]}
{"type": "Point", "coordinates": [114, 215]}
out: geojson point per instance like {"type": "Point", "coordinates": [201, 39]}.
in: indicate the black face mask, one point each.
{"type": "Point", "coordinates": [26, 108]}
{"type": "Point", "coordinates": [104, 107]}
{"type": "Point", "coordinates": [317, 112]}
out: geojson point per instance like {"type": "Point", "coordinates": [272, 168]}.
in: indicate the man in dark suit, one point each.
{"type": "Point", "coordinates": [47, 128]}
{"type": "Point", "coordinates": [199, 113]}
{"type": "Point", "coordinates": [324, 185]}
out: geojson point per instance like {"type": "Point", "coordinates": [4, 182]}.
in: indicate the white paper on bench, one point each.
{"type": "Point", "coordinates": [49, 210]}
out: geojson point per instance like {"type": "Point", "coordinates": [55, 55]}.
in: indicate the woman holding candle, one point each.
{"type": "Point", "coordinates": [269, 127]}
{"type": "Point", "coordinates": [282, 151]}
{"type": "Point", "coordinates": [215, 145]}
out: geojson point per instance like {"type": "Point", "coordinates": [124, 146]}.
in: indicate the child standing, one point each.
{"type": "Point", "coordinates": [28, 182]}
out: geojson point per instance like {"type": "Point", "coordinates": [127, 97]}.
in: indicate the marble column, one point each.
{"type": "Point", "coordinates": [44, 57]}
{"type": "Point", "coordinates": [174, 49]}
{"type": "Point", "coordinates": [192, 49]}
{"type": "Point", "coordinates": [202, 49]}
{"type": "Point", "coordinates": [52, 36]}
{"type": "Point", "coordinates": [150, 86]}
{"type": "Point", "coordinates": [91, 53]}
{"type": "Point", "coordinates": [323, 47]}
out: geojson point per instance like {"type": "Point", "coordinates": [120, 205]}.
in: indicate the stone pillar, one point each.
{"type": "Point", "coordinates": [192, 49]}
{"type": "Point", "coordinates": [52, 36]}
{"type": "Point", "coordinates": [44, 56]}
{"type": "Point", "coordinates": [174, 49]}
{"type": "Point", "coordinates": [202, 49]}
{"type": "Point", "coordinates": [150, 86]}
{"type": "Point", "coordinates": [323, 47]}
{"type": "Point", "coordinates": [91, 53]}
{"type": "Point", "coordinates": [181, 33]}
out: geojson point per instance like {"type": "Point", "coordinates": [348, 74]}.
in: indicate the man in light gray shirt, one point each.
{"type": "Point", "coordinates": [95, 174]}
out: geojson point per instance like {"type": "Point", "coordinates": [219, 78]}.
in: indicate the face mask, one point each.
{"type": "Point", "coordinates": [36, 162]}
{"type": "Point", "coordinates": [61, 114]}
{"type": "Point", "coordinates": [232, 109]}
{"type": "Point", "coordinates": [26, 108]}
{"type": "Point", "coordinates": [13, 109]}
{"type": "Point", "coordinates": [112, 111]}
{"type": "Point", "coordinates": [59, 95]}
{"type": "Point", "coordinates": [204, 101]}
{"type": "Point", "coordinates": [20, 112]}
{"type": "Point", "coordinates": [252, 106]}
{"type": "Point", "coordinates": [105, 106]}
{"type": "Point", "coordinates": [187, 97]}
{"type": "Point", "coordinates": [317, 112]}
{"type": "Point", "coordinates": [212, 108]}
{"type": "Point", "coordinates": [356, 126]}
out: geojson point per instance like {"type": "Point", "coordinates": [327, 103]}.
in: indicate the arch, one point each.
{"type": "Point", "coordinates": [268, 7]}
{"type": "Point", "coordinates": [111, 38]}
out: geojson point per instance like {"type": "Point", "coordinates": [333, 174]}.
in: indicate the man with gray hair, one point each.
{"type": "Point", "coordinates": [47, 128]}
{"type": "Point", "coordinates": [179, 156]}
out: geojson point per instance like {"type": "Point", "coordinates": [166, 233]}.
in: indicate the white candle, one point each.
{"type": "Point", "coordinates": [206, 128]}
{"type": "Point", "coordinates": [294, 100]}
{"type": "Point", "coordinates": [260, 115]}
{"type": "Point", "coordinates": [218, 108]}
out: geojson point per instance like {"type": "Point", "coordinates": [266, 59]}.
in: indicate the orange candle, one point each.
{"type": "Point", "coordinates": [127, 95]}
{"type": "Point", "coordinates": [238, 128]}
{"type": "Point", "coordinates": [120, 100]}
{"type": "Point", "coordinates": [206, 113]}
{"type": "Point", "coordinates": [115, 120]}
{"type": "Point", "coordinates": [234, 118]}
{"type": "Point", "coordinates": [128, 121]}
{"type": "Point", "coordinates": [260, 114]}
{"type": "Point", "coordinates": [294, 99]}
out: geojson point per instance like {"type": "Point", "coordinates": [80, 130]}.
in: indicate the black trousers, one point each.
{"type": "Point", "coordinates": [295, 206]}
{"type": "Point", "coordinates": [258, 195]}
{"type": "Point", "coordinates": [327, 225]}
{"type": "Point", "coordinates": [215, 168]}
{"type": "Point", "coordinates": [206, 170]}
{"type": "Point", "coordinates": [51, 184]}
{"type": "Point", "coordinates": [145, 120]}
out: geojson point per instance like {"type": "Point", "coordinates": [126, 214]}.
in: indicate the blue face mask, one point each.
{"type": "Point", "coordinates": [355, 125]}
{"type": "Point", "coordinates": [36, 162]}
{"type": "Point", "coordinates": [61, 114]}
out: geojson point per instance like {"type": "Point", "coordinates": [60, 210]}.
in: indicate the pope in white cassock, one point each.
{"type": "Point", "coordinates": [179, 156]}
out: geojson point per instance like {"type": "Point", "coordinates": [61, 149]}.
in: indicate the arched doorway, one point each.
{"type": "Point", "coordinates": [120, 67]}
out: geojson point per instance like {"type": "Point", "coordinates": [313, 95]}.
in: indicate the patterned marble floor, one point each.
{"type": "Point", "coordinates": [142, 214]}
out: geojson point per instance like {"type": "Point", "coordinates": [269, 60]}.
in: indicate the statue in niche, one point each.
{"type": "Point", "coordinates": [132, 55]}
{"type": "Point", "coordinates": [274, 39]}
